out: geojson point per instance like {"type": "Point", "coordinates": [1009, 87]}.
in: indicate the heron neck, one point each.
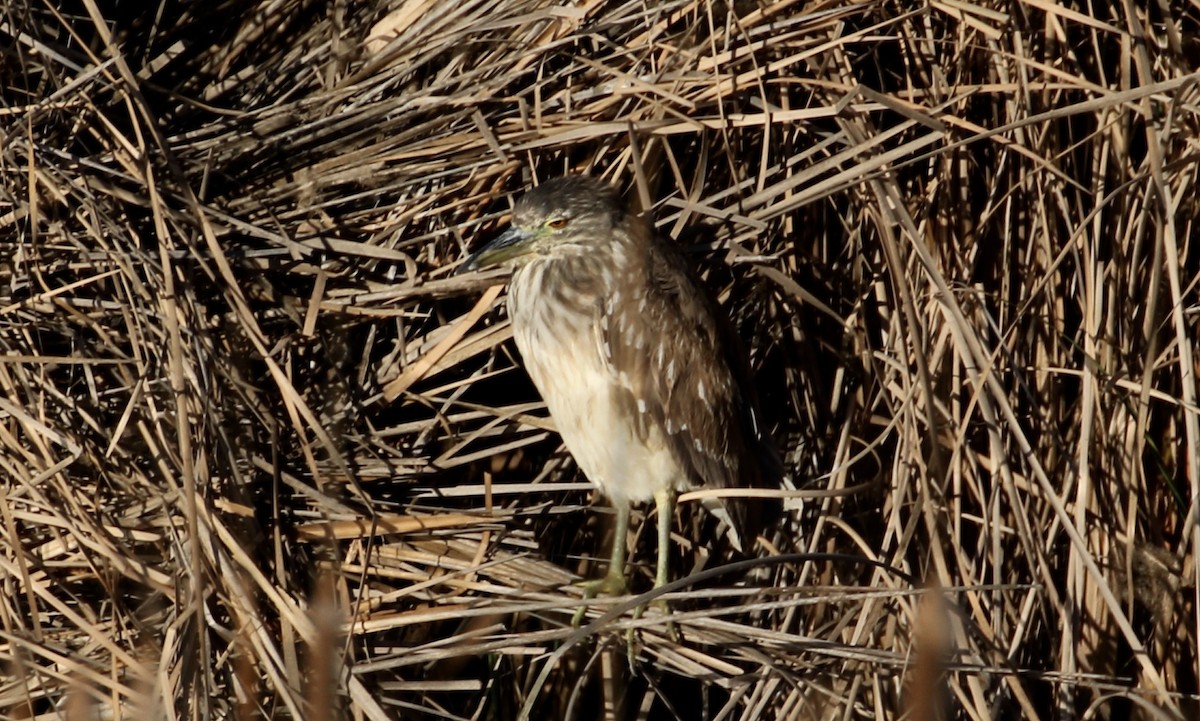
{"type": "Point", "coordinates": [572, 282]}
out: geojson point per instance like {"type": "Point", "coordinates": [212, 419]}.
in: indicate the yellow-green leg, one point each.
{"type": "Point", "coordinates": [613, 583]}
{"type": "Point", "coordinates": [664, 503]}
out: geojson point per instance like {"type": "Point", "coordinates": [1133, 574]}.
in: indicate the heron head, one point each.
{"type": "Point", "coordinates": [561, 217]}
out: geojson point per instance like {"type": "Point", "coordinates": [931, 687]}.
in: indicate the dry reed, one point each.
{"type": "Point", "coordinates": [262, 455]}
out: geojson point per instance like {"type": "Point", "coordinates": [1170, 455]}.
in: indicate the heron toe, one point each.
{"type": "Point", "coordinates": [613, 584]}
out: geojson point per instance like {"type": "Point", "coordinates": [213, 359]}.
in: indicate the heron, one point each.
{"type": "Point", "coordinates": [637, 364]}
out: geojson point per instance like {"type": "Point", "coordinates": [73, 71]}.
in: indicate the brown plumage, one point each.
{"type": "Point", "coordinates": [635, 361]}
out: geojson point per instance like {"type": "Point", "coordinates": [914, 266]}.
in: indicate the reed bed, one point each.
{"type": "Point", "coordinates": [263, 455]}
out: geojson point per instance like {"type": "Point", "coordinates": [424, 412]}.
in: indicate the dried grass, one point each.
{"type": "Point", "coordinates": [959, 239]}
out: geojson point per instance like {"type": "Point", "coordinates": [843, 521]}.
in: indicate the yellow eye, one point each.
{"type": "Point", "coordinates": [558, 223]}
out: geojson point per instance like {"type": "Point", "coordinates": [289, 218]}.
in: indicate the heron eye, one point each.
{"type": "Point", "coordinates": [558, 223]}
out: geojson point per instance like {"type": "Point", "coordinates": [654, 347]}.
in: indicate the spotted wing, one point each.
{"type": "Point", "coordinates": [680, 370]}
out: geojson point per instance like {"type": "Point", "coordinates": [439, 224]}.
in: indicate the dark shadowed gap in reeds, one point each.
{"type": "Point", "coordinates": [959, 241]}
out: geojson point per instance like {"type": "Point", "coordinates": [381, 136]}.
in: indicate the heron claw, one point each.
{"type": "Point", "coordinates": [613, 584]}
{"type": "Point", "coordinates": [631, 645]}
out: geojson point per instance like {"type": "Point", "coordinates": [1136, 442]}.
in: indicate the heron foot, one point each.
{"type": "Point", "coordinates": [631, 645]}
{"type": "Point", "coordinates": [613, 584]}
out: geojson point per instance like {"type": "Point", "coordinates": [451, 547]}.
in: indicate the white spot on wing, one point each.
{"type": "Point", "coordinates": [641, 405]}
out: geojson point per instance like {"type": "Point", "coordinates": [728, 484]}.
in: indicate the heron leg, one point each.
{"type": "Point", "coordinates": [613, 583]}
{"type": "Point", "coordinates": [664, 503]}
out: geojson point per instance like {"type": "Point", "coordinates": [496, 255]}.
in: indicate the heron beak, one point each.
{"type": "Point", "coordinates": [512, 243]}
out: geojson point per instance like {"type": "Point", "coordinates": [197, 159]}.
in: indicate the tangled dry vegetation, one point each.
{"type": "Point", "coordinates": [263, 455]}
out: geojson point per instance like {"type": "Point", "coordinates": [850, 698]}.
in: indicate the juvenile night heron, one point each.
{"type": "Point", "coordinates": [646, 386]}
